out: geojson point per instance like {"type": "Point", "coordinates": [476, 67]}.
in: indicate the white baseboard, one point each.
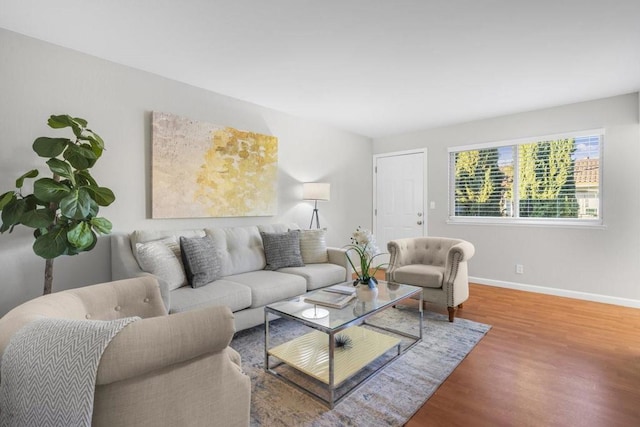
{"type": "Point", "coordinates": [625, 302]}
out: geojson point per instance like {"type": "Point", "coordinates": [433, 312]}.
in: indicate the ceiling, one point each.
{"type": "Point", "coordinates": [372, 67]}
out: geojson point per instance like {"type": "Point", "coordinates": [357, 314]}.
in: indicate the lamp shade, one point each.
{"type": "Point", "coordinates": [316, 191]}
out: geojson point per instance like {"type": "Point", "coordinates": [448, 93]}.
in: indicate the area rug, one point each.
{"type": "Point", "coordinates": [390, 398]}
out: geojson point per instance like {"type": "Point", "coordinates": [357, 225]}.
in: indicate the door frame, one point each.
{"type": "Point", "coordinates": [425, 174]}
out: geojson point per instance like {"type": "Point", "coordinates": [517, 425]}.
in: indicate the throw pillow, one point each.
{"type": "Point", "coordinates": [282, 250]}
{"type": "Point", "coordinates": [313, 246]}
{"type": "Point", "coordinates": [159, 258]}
{"type": "Point", "coordinates": [200, 260]}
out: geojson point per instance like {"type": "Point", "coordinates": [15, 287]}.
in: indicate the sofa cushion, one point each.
{"type": "Point", "coordinates": [221, 292]}
{"type": "Point", "coordinates": [318, 275]}
{"type": "Point", "coordinates": [427, 276]}
{"type": "Point", "coordinates": [313, 246]}
{"type": "Point", "coordinates": [240, 248]}
{"type": "Point", "coordinates": [270, 286]}
{"type": "Point", "coordinates": [201, 260]}
{"type": "Point", "coordinates": [162, 258]}
{"type": "Point", "coordinates": [282, 249]}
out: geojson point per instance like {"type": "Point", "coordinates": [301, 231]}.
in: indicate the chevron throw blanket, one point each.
{"type": "Point", "coordinates": [49, 371]}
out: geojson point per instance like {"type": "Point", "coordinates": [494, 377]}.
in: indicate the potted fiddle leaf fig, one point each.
{"type": "Point", "coordinates": [63, 209]}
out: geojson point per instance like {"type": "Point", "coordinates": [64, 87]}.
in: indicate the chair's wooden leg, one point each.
{"type": "Point", "coordinates": [451, 310]}
{"type": "Point", "coordinates": [459, 305]}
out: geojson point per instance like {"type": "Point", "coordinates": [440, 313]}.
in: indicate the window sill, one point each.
{"type": "Point", "coordinates": [520, 222]}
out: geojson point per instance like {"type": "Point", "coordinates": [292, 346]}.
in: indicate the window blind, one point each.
{"type": "Point", "coordinates": [552, 178]}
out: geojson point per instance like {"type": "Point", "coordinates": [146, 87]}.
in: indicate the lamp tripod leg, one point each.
{"type": "Point", "coordinates": [315, 216]}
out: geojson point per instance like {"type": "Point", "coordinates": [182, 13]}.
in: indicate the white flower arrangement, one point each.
{"type": "Point", "coordinates": [363, 243]}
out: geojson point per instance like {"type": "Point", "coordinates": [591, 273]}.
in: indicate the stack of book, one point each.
{"type": "Point", "coordinates": [336, 296]}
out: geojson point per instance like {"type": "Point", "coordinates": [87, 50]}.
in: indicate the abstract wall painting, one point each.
{"type": "Point", "coordinates": [204, 170]}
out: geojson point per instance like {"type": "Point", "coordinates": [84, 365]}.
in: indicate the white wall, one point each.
{"type": "Point", "coordinates": [39, 79]}
{"type": "Point", "coordinates": [597, 264]}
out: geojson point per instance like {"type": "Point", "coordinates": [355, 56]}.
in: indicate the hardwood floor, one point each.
{"type": "Point", "coordinates": [547, 361]}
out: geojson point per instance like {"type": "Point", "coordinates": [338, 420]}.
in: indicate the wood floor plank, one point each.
{"type": "Point", "coordinates": [547, 361]}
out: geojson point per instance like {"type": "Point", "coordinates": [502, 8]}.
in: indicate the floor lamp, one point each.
{"type": "Point", "coordinates": [316, 191]}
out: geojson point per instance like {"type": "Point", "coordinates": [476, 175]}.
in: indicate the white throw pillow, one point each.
{"type": "Point", "coordinates": [313, 246]}
{"type": "Point", "coordinates": [162, 258]}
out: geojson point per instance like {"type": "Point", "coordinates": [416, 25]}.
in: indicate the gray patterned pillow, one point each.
{"type": "Point", "coordinates": [200, 260]}
{"type": "Point", "coordinates": [282, 250]}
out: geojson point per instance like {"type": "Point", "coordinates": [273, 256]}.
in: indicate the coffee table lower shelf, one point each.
{"type": "Point", "coordinates": [310, 354]}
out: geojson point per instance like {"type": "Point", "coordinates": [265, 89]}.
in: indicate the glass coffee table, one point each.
{"type": "Point", "coordinates": [325, 364]}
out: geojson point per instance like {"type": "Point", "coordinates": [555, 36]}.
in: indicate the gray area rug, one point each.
{"type": "Point", "coordinates": [389, 398]}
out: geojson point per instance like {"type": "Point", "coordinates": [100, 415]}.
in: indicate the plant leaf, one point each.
{"type": "Point", "coordinates": [52, 244]}
{"type": "Point", "coordinates": [64, 120]}
{"type": "Point", "coordinates": [102, 225]}
{"type": "Point", "coordinates": [77, 205]}
{"type": "Point", "coordinates": [31, 174]}
{"type": "Point", "coordinates": [6, 198]}
{"type": "Point", "coordinates": [62, 168]}
{"type": "Point", "coordinates": [59, 122]}
{"type": "Point", "coordinates": [50, 147]}
{"type": "Point", "coordinates": [86, 178]}
{"type": "Point", "coordinates": [48, 190]}
{"type": "Point", "coordinates": [97, 144]}
{"type": "Point", "coordinates": [80, 156]}
{"type": "Point", "coordinates": [71, 250]}
{"type": "Point", "coordinates": [38, 218]}
{"type": "Point", "coordinates": [102, 195]}
{"type": "Point", "coordinates": [80, 236]}
{"type": "Point", "coordinates": [12, 212]}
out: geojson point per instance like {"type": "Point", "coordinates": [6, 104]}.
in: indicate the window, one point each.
{"type": "Point", "coordinates": [546, 180]}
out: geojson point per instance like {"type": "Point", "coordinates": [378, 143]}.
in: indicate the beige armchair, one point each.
{"type": "Point", "coordinates": [161, 370]}
{"type": "Point", "coordinates": [437, 264]}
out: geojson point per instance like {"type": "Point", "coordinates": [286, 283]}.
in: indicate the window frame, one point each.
{"type": "Point", "coordinates": [527, 221]}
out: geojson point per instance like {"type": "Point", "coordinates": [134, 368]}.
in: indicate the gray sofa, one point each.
{"type": "Point", "coordinates": [244, 285]}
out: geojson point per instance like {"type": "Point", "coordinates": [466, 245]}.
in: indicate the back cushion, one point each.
{"type": "Point", "coordinates": [240, 248]}
{"type": "Point", "coordinates": [432, 250]}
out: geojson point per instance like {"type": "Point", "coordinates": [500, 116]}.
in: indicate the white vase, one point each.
{"type": "Point", "coordinates": [366, 294]}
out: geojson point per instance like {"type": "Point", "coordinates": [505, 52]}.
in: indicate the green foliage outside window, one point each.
{"type": "Point", "coordinates": [546, 184]}
{"type": "Point", "coordinates": [478, 183]}
{"type": "Point", "coordinates": [546, 181]}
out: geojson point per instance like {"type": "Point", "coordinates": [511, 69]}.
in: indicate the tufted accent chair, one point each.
{"type": "Point", "coordinates": [437, 264]}
{"type": "Point", "coordinates": [161, 370]}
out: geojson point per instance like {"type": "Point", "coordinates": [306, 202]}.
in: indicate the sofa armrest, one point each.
{"type": "Point", "coordinates": [458, 253]}
{"type": "Point", "coordinates": [397, 253]}
{"type": "Point", "coordinates": [125, 266]}
{"type": "Point", "coordinates": [338, 256]}
{"type": "Point", "coordinates": [159, 342]}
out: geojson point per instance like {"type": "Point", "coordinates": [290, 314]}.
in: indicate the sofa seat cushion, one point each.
{"type": "Point", "coordinates": [318, 275]}
{"type": "Point", "coordinates": [270, 286]}
{"type": "Point", "coordinates": [221, 292]}
{"type": "Point", "coordinates": [427, 276]}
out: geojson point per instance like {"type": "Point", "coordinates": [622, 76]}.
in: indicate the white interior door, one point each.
{"type": "Point", "coordinates": [399, 209]}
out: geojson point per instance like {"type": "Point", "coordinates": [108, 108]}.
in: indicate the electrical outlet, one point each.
{"type": "Point", "coordinates": [519, 269]}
